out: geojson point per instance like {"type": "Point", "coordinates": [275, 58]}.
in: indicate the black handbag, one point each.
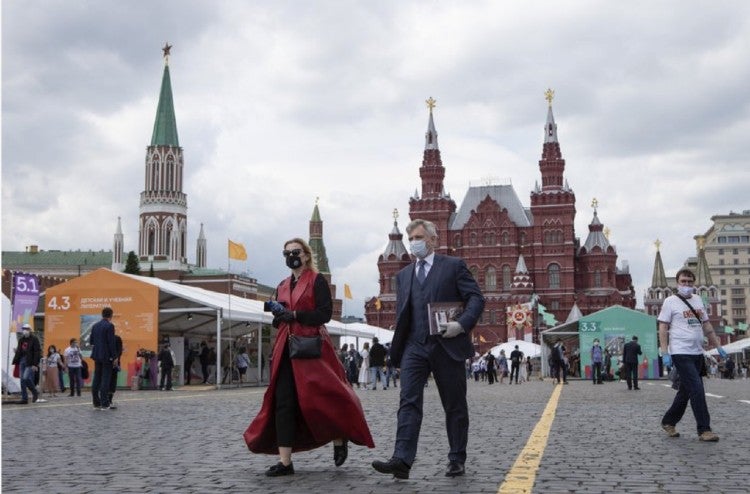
{"type": "Point", "coordinates": [304, 347]}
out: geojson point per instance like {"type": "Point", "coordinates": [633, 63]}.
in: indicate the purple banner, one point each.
{"type": "Point", "coordinates": [25, 300]}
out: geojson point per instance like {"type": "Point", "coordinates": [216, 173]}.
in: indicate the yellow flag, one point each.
{"type": "Point", "coordinates": [237, 251]}
{"type": "Point", "coordinates": [481, 338]}
{"type": "Point", "coordinates": [347, 291]}
{"type": "Point", "coordinates": [378, 305]}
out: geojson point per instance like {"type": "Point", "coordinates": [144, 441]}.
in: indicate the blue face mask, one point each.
{"type": "Point", "coordinates": [685, 291]}
{"type": "Point", "coordinates": [419, 248]}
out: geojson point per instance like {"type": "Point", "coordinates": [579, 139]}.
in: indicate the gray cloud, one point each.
{"type": "Point", "coordinates": [280, 103]}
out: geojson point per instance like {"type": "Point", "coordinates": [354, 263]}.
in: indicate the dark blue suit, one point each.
{"type": "Point", "coordinates": [104, 353]}
{"type": "Point", "coordinates": [417, 353]}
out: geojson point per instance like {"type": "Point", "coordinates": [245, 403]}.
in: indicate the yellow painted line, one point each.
{"type": "Point", "coordinates": [520, 478]}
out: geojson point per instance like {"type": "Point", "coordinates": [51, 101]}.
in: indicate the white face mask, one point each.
{"type": "Point", "coordinates": [419, 248]}
{"type": "Point", "coordinates": [685, 291]}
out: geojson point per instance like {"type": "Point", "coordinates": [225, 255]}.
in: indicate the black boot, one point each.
{"type": "Point", "coordinates": [340, 453]}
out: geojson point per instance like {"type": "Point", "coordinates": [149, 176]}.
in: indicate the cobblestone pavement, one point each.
{"type": "Point", "coordinates": [603, 439]}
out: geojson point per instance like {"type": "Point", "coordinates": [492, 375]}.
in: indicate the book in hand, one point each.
{"type": "Point", "coordinates": [441, 313]}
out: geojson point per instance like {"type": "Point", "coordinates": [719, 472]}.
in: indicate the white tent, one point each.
{"type": "Point", "coordinates": [528, 348]}
{"type": "Point", "coordinates": [738, 346]}
{"type": "Point", "coordinates": [8, 345]}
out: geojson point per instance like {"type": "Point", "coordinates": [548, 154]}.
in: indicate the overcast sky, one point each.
{"type": "Point", "coordinates": [278, 103]}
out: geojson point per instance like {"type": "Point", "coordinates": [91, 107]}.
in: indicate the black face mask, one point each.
{"type": "Point", "coordinates": [293, 262]}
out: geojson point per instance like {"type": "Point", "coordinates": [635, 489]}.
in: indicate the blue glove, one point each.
{"type": "Point", "coordinates": [666, 359]}
{"type": "Point", "coordinates": [722, 352]}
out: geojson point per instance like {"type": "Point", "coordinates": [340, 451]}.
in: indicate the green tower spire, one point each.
{"type": "Point", "coordinates": [165, 125]}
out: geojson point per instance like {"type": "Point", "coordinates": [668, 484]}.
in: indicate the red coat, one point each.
{"type": "Point", "coordinates": [329, 407]}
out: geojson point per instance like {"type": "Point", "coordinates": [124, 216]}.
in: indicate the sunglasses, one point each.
{"type": "Point", "coordinates": [295, 252]}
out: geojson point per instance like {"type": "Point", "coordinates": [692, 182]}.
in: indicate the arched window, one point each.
{"type": "Point", "coordinates": [457, 240]}
{"type": "Point", "coordinates": [505, 238]}
{"type": "Point", "coordinates": [597, 278]}
{"type": "Point", "coordinates": [490, 279]}
{"type": "Point", "coordinates": [507, 278]}
{"type": "Point", "coordinates": [392, 280]}
{"type": "Point", "coordinates": [474, 272]}
{"type": "Point", "coordinates": [170, 174]}
{"type": "Point", "coordinates": [151, 247]}
{"type": "Point", "coordinates": [473, 238]}
{"type": "Point", "coordinates": [522, 238]}
{"type": "Point", "coordinates": [553, 272]}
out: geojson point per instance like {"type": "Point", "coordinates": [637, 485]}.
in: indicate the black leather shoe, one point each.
{"type": "Point", "coordinates": [394, 466]}
{"type": "Point", "coordinates": [340, 453]}
{"type": "Point", "coordinates": [280, 469]}
{"type": "Point", "coordinates": [455, 469]}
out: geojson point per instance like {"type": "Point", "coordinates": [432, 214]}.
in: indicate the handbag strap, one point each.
{"type": "Point", "coordinates": [695, 313]}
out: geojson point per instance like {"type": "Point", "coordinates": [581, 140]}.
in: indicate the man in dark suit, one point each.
{"type": "Point", "coordinates": [630, 353]}
{"type": "Point", "coordinates": [433, 278]}
{"type": "Point", "coordinates": [104, 354]}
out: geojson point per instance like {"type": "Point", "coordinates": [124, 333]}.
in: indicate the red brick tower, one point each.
{"type": "Point", "coordinates": [553, 243]}
{"type": "Point", "coordinates": [434, 204]}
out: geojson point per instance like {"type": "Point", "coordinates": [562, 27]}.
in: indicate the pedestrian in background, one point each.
{"type": "Point", "coordinates": [364, 366]}
{"type": "Point", "coordinates": [205, 358]}
{"type": "Point", "coordinates": [391, 372]}
{"type": "Point", "coordinates": [630, 353]}
{"type": "Point", "coordinates": [491, 371]}
{"type": "Point", "coordinates": [51, 372]}
{"type": "Point", "coordinates": [73, 357]}
{"type": "Point", "coordinates": [115, 370]}
{"type": "Point", "coordinates": [597, 358]}
{"type": "Point", "coordinates": [104, 355]}
{"type": "Point", "coordinates": [242, 362]}
{"type": "Point", "coordinates": [502, 367]}
{"type": "Point", "coordinates": [516, 357]}
{"type": "Point", "coordinates": [377, 364]}
{"type": "Point", "coordinates": [166, 361]}
{"type": "Point", "coordinates": [27, 357]}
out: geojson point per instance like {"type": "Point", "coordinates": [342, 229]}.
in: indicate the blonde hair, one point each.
{"type": "Point", "coordinates": [310, 263]}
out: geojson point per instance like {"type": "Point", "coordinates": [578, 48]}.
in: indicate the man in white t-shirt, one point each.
{"type": "Point", "coordinates": [681, 331]}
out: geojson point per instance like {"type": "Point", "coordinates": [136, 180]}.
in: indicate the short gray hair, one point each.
{"type": "Point", "coordinates": [428, 226]}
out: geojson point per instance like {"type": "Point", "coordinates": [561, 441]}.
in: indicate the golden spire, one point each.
{"type": "Point", "coordinates": [431, 103]}
{"type": "Point", "coordinates": [594, 203]}
{"type": "Point", "coordinates": [657, 244]}
{"type": "Point", "coordinates": [317, 198]}
{"type": "Point", "coordinates": [395, 214]}
{"type": "Point", "coordinates": [606, 232]}
{"type": "Point", "coordinates": [549, 95]}
{"type": "Point", "coordinates": [701, 241]}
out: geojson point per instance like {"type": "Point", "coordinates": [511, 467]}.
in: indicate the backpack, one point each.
{"type": "Point", "coordinates": [84, 369]}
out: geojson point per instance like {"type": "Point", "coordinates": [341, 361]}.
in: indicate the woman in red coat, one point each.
{"type": "Point", "coordinates": [308, 402]}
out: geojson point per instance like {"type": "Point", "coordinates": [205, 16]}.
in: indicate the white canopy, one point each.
{"type": "Point", "coordinates": [735, 347]}
{"type": "Point", "coordinates": [528, 348]}
{"type": "Point", "coordinates": [8, 345]}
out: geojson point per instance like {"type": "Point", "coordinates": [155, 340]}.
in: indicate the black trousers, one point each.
{"type": "Point", "coordinates": [286, 402]}
{"type": "Point", "coordinates": [515, 368]}
{"type": "Point", "coordinates": [631, 371]}
{"type": "Point", "coordinates": [596, 372]}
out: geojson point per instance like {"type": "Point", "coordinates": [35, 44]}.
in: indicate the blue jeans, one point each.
{"type": "Point", "coordinates": [377, 372]}
{"type": "Point", "coordinates": [27, 381]}
{"type": "Point", "coordinates": [691, 389]}
{"type": "Point", "coordinates": [76, 381]}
